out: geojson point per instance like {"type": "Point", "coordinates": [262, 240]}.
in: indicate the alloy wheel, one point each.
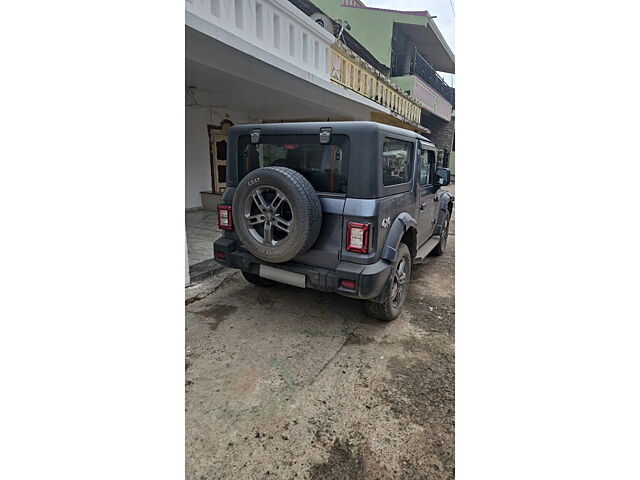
{"type": "Point", "coordinates": [268, 215]}
{"type": "Point", "coordinates": [399, 284]}
{"type": "Point", "coordinates": [444, 234]}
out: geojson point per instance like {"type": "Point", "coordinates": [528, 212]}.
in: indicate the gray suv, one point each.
{"type": "Point", "coordinates": [343, 207]}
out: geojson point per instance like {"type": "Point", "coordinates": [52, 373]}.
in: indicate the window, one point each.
{"type": "Point", "coordinates": [427, 160]}
{"type": "Point", "coordinates": [324, 166]}
{"type": "Point", "coordinates": [396, 161]}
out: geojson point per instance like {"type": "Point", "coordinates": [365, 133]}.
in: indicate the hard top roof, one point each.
{"type": "Point", "coordinates": [349, 127]}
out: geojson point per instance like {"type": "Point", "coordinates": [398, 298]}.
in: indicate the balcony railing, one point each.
{"type": "Point", "coordinates": [349, 71]}
{"type": "Point", "coordinates": [275, 26]}
{"type": "Point", "coordinates": [414, 64]}
{"type": "Point", "coordinates": [280, 29]}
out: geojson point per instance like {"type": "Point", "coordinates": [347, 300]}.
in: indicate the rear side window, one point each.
{"type": "Point", "coordinates": [324, 166]}
{"type": "Point", "coordinates": [427, 162]}
{"type": "Point", "coordinates": [396, 161]}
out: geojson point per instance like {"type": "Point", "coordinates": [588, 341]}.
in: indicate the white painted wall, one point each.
{"type": "Point", "coordinates": [197, 164]}
{"type": "Point", "coordinates": [274, 26]}
{"type": "Point", "coordinates": [197, 169]}
{"type": "Point", "coordinates": [187, 279]}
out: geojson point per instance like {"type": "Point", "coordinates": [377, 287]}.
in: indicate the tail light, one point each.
{"type": "Point", "coordinates": [348, 284]}
{"type": "Point", "coordinates": [358, 237]}
{"type": "Point", "coordinates": [225, 220]}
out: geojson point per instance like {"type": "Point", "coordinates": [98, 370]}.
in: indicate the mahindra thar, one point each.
{"type": "Point", "coordinates": [342, 207]}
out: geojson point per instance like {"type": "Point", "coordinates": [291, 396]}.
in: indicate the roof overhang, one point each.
{"type": "Point", "coordinates": [431, 44]}
{"type": "Point", "coordinates": [397, 121]}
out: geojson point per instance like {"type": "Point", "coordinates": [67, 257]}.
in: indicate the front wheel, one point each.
{"type": "Point", "coordinates": [444, 236]}
{"type": "Point", "coordinates": [397, 288]}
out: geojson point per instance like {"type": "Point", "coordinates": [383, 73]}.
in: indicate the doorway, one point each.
{"type": "Point", "coordinates": [218, 140]}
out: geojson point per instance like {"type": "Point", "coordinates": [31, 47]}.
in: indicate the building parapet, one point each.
{"type": "Point", "coordinates": [350, 71]}
{"type": "Point", "coordinates": [274, 26]}
{"type": "Point", "coordinates": [426, 96]}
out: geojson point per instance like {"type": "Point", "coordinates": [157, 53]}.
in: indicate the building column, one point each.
{"type": "Point", "coordinates": [187, 279]}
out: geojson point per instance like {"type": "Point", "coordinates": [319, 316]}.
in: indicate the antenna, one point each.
{"type": "Point", "coordinates": [343, 24]}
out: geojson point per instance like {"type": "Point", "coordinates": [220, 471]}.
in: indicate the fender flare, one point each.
{"type": "Point", "coordinates": [400, 225]}
{"type": "Point", "coordinates": [446, 204]}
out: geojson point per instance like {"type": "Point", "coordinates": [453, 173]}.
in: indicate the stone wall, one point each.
{"type": "Point", "coordinates": [441, 130]}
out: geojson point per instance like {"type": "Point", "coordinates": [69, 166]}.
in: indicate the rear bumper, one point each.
{"type": "Point", "coordinates": [370, 280]}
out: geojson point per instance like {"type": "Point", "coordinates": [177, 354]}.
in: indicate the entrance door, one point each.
{"type": "Point", "coordinates": [427, 205]}
{"type": "Point", "coordinates": [219, 148]}
{"type": "Point", "coordinates": [218, 139]}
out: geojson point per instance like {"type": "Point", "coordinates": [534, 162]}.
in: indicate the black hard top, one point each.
{"type": "Point", "coordinates": [364, 155]}
{"type": "Point", "coordinates": [346, 127]}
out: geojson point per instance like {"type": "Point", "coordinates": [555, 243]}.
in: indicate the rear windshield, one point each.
{"type": "Point", "coordinates": [325, 166]}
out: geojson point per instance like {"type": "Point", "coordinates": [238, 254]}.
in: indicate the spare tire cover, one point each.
{"type": "Point", "coordinates": [276, 213]}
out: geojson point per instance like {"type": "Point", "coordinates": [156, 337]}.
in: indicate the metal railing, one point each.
{"type": "Point", "coordinates": [415, 64]}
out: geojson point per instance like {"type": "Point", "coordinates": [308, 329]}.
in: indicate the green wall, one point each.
{"type": "Point", "coordinates": [406, 82]}
{"type": "Point", "coordinates": [372, 28]}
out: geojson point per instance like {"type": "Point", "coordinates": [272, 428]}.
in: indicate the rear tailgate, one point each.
{"type": "Point", "coordinates": [325, 253]}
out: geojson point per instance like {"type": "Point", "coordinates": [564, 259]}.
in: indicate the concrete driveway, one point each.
{"type": "Point", "coordinates": [293, 383]}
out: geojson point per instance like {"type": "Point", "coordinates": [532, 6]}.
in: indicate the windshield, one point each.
{"type": "Point", "coordinates": [324, 166]}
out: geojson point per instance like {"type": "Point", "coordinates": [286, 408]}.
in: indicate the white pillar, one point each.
{"type": "Point", "coordinates": [186, 261]}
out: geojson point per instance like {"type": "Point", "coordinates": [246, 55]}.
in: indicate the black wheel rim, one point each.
{"type": "Point", "coordinates": [444, 236]}
{"type": "Point", "coordinates": [399, 283]}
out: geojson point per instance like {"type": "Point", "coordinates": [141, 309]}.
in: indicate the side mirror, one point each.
{"type": "Point", "coordinates": [443, 177]}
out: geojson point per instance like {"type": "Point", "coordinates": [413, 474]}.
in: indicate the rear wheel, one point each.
{"type": "Point", "coordinates": [257, 280]}
{"type": "Point", "coordinates": [397, 288]}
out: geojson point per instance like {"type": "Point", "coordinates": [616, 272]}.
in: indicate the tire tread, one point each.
{"type": "Point", "coordinates": [306, 198]}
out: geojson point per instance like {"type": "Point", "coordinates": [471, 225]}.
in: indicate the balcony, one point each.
{"type": "Point", "coordinates": [349, 71]}
{"type": "Point", "coordinates": [415, 64]}
{"type": "Point", "coordinates": [266, 60]}
{"type": "Point", "coordinates": [275, 27]}
{"type": "Point", "coordinates": [413, 73]}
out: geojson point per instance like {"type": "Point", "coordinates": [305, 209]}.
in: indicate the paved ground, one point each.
{"type": "Point", "coordinates": [292, 383]}
{"type": "Point", "coordinates": [202, 231]}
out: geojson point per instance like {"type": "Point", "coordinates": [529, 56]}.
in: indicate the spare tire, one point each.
{"type": "Point", "coordinates": [276, 213]}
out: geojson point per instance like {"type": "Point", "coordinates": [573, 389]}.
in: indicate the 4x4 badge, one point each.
{"type": "Point", "coordinates": [386, 222]}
